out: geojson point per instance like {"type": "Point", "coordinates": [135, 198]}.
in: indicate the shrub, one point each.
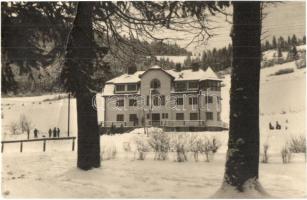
{"type": "Point", "coordinates": [265, 158]}
{"type": "Point", "coordinates": [205, 146]}
{"type": "Point", "coordinates": [14, 128]}
{"type": "Point", "coordinates": [159, 141]}
{"type": "Point", "coordinates": [284, 71]}
{"type": "Point", "coordinates": [298, 144]}
{"type": "Point", "coordinates": [179, 145]}
{"type": "Point", "coordinates": [25, 124]}
{"type": "Point", "coordinates": [195, 146]}
{"type": "Point", "coordinates": [141, 147]}
{"type": "Point", "coordinates": [127, 147]}
{"type": "Point", "coordinates": [209, 147]}
{"type": "Point", "coordinates": [286, 154]}
{"type": "Point", "coordinates": [108, 152]}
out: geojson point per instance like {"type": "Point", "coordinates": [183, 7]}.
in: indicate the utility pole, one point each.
{"type": "Point", "coordinates": [68, 121]}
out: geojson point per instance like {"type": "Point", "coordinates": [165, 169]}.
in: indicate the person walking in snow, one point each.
{"type": "Point", "coordinates": [278, 126]}
{"type": "Point", "coordinates": [54, 132]}
{"type": "Point", "coordinates": [50, 132]}
{"type": "Point", "coordinates": [58, 132]}
{"type": "Point", "coordinates": [271, 126]}
{"type": "Point", "coordinates": [35, 133]}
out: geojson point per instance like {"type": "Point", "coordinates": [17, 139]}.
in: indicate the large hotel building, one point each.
{"type": "Point", "coordinates": [186, 99]}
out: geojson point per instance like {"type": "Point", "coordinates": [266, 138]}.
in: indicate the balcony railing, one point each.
{"type": "Point", "coordinates": [165, 123]}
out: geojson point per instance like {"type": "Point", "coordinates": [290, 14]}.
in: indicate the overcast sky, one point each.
{"type": "Point", "coordinates": [283, 19]}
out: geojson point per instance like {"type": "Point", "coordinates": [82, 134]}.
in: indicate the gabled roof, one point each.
{"type": "Point", "coordinates": [183, 75]}
{"type": "Point", "coordinates": [190, 75]}
{"type": "Point", "coordinates": [156, 67]}
{"type": "Point", "coordinates": [127, 78]}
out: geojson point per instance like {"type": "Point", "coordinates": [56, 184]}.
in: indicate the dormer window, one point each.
{"type": "Point", "coordinates": [155, 84]}
{"type": "Point", "coordinates": [180, 86]}
{"type": "Point", "coordinates": [120, 88]}
{"type": "Point", "coordinates": [131, 87]}
{"type": "Point", "coordinates": [193, 85]}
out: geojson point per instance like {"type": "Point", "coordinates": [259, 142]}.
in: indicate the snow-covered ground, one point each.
{"type": "Point", "coordinates": [54, 173]}
{"type": "Point", "coordinates": [38, 175]}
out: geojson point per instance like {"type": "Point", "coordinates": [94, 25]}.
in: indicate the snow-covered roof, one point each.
{"type": "Point", "coordinates": [108, 89]}
{"type": "Point", "coordinates": [127, 78]}
{"type": "Point", "coordinates": [190, 75]}
{"type": "Point", "coordinates": [183, 75]}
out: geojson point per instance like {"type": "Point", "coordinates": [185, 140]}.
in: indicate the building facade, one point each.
{"type": "Point", "coordinates": [165, 98]}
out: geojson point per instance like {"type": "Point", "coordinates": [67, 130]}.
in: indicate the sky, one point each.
{"type": "Point", "coordinates": [282, 19]}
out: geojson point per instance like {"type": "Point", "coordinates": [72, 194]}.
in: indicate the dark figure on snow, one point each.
{"type": "Point", "coordinates": [50, 132]}
{"type": "Point", "coordinates": [54, 132]}
{"type": "Point", "coordinates": [286, 127]}
{"type": "Point", "coordinates": [58, 132]}
{"type": "Point", "coordinates": [271, 126]}
{"type": "Point", "coordinates": [278, 126]}
{"type": "Point", "coordinates": [35, 133]}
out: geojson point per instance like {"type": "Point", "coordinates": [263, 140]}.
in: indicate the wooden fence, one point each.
{"type": "Point", "coordinates": [44, 140]}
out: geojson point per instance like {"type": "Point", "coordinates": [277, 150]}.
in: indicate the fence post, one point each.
{"type": "Point", "coordinates": [2, 147]}
{"type": "Point", "coordinates": [73, 144]}
{"type": "Point", "coordinates": [21, 144]}
{"type": "Point", "coordinates": [44, 145]}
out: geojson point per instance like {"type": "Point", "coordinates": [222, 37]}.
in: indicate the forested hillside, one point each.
{"type": "Point", "coordinates": [33, 68]}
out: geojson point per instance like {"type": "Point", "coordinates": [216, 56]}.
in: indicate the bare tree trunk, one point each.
{"type": "Point", "coordinates": [79, 68]}
{"type": "Point", "coordinates": [242, 165]}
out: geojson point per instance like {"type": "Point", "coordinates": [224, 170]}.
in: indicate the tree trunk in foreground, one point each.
{"type": "Point", "coordinates": [242, 165]}
{"type": "Point", "coordinates": [77, 73]}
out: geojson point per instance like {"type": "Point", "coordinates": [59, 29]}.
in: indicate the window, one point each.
{"type": "Point", "coordinates": [193, 116]}
{"type": "Point", "coordinates": [179, 116]}
{"type": "Point", "coordinates": [147, 100]}
{"type": "Point", "coordinates": [155, 83]}
{"type": "Point", "coordinates": [212, 85]}
{"type": "Point", "coordinates": [164, 115]}
{"type": "Point", "coordinates": [218, 116]}
{"type": "Point", "coordinates": [120, 103]}
{"type": "Point", "coordinates": [181, 86]}
{"type": "Point", "coordinates": [148, 116]}
{"type": "Point", "coordinates": [155, 100]}
{"type": "Point", "coordinates": [179, 101]}
{"type": "Point", "coordinates": [162, 100]}
{"type": "Point", "coordinates": [193, 85]}
{"type": "Point", "coordinates": [218, 99]}
{"type": "Point", "coordinates": [120, 118]}
{"type": "Point", "coordinates": [133, 118]}
{"type": "Point", "coordinates": [208, 99]}
{"type": "Point", "coordinates": [193, 100]}
{"type": "Point", "coordinates": [132, 102]}
{"type": "Point", "coordinates": [209, 115]}
{"type": "Point", "coordinates": [131, 87]}
{"type": "Point", "coordinates": [120, 88]}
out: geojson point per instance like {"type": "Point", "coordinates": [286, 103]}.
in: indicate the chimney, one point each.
{"type": "Point", "coordinates": [178, 67]}
{"type": "Point", "coordinates": [195, 66]}
{"type": "Point", "coordinates": [131, 69]}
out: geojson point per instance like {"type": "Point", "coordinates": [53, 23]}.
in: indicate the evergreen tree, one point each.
{"type": "Point", "coordinates": [274, 42]}
{"type": "Point", "coordinates": [267, 45]}
{"type": "Point", "coordinates": [281, 43]}
{"type": "Point", "coordinates": [178, 67]}
{"type": "Point", "coordinates": [294, 40]}
{"type": "Point", "coordinates": [294, 52]}
{"type": "Point", "coordinates": [279, 52]}
{"type": "Point", "coordinates": [289, 43]}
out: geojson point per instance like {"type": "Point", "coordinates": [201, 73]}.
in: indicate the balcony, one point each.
{"type": "Point", "coordinates": [166, 123]}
